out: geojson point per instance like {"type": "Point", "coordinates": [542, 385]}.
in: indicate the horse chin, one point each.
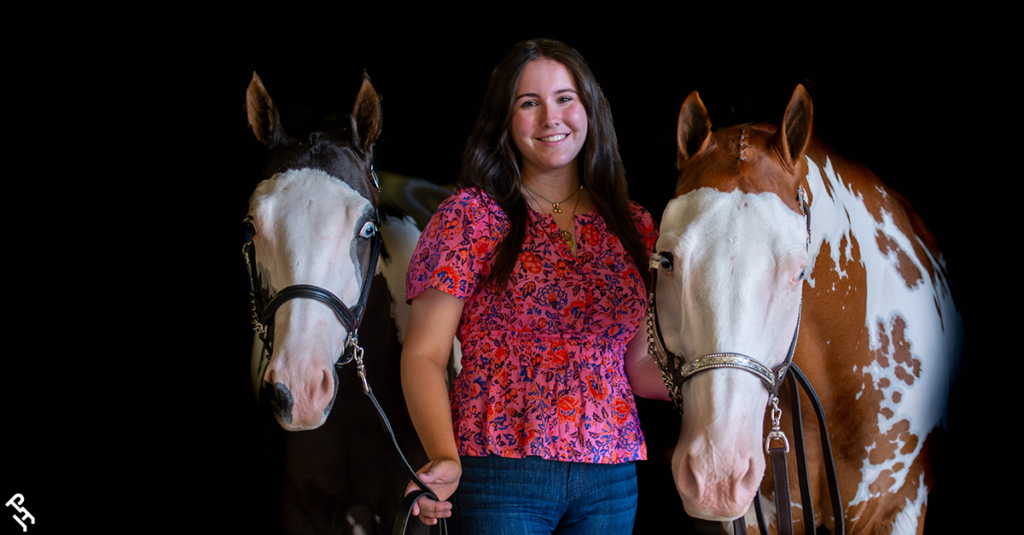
{"type": "Point", "coordinates": [289, 427]}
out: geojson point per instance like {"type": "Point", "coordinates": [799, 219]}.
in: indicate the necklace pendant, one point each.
{"type": "Point", "coordinates": [567, 236]}
{"type": "Point", "coordinates": [555, 208]}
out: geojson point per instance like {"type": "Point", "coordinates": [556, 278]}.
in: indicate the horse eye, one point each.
{"type": "Point", "coordinates": [249, 226]}
{"type": "Point", "coordinates": [666, 261]}
{"type": "Point", "coordinates": [369, 229]}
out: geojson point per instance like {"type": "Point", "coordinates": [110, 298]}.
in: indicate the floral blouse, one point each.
{"type": "Point", "coordinates": [543, 359]}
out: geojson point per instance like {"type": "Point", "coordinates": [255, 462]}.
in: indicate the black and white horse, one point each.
{"type": "Point", "coordinates": [314, 219]}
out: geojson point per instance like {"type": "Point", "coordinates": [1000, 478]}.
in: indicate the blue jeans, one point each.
{"type": "Point", "coordinates": [502, 496]}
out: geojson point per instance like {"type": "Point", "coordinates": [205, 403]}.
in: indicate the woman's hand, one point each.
{"type": "Point", "coordinates": [442, 476]}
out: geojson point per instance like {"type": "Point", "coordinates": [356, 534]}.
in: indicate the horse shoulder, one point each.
{"type": "Point", "coordinates": [886, 274]}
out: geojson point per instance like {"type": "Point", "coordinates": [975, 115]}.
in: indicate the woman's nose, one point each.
{"type": "Point", "coordinates": [550, 116]}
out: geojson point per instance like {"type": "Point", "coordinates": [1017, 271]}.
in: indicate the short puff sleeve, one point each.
{"type": "Point", "coordinates": [456, 250]}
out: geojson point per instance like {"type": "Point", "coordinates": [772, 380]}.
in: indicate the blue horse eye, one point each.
{"type": "Point", "coordinates": [369, 229]}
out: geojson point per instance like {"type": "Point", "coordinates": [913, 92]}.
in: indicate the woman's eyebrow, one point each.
{"type": "Point", "coordinates": [557, 92]}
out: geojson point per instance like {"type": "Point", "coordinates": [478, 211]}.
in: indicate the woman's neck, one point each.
{"type": "Point", "coordinates": [553, 186]}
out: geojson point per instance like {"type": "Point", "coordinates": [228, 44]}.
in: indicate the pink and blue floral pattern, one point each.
{"type": "Point", "coordinates": [543, 358]}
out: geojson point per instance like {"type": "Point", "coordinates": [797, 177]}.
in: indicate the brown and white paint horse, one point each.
{"type": "Point", "coordinates": [313, 217]}
{"type": "Point", "coordinates": [879, 338]}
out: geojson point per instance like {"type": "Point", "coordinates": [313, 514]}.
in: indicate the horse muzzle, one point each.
{"type": "Point", "coordinates": [311, 410]}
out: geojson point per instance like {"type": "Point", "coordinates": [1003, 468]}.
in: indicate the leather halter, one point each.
{"type": "Point", "coordinates": [675, 371]}
{"type": "Point", "coordinates": [263, 311]}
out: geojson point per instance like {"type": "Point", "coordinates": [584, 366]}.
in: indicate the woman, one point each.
{"type": "Point", "coordinates": [538, 264]}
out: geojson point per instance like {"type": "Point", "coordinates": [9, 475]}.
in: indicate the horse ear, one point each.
{"type": "Point", "coordinates": [263, 117]}
{"type": "Point", "coordinates": [366, 116]}
{"type": "Point", "coordinates": [693, 133]}
{"type": "Point", "coordinates": [795, 132]}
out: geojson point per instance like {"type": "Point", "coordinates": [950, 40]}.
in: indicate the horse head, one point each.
{"type": "Point", "coordinates": [313, 219]}
{"type": "Point", "coordinates": [733, 258]}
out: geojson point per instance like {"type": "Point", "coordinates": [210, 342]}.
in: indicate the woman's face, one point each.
{"type": "Point", "coordinates": [549, 123]}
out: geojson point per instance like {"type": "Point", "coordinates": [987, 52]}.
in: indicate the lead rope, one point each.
{"type": "Point", "coordinates": [780, 469]}
{"type": "Point", "coordinates": [405, 511]}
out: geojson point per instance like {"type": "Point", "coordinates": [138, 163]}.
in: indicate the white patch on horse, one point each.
{"type": "Point", "coordinates": [906, 520]}
{"type": "Point", "coordinates": [357, 529]}
{"type": "Point", "coordinates": [892, 309]}
{"type": "Point", "coordinates": [400, 237]}
{"type": "Point", "coordinates": [746, 256]}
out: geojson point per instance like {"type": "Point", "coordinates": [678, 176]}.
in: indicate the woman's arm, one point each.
{"type": "Point", "coordinates": [641, 369]}
{"type": "Point", "coordinates": [428, 343]}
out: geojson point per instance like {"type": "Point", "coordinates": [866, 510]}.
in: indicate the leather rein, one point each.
{"type": "Point", "coordinates": [263, 312]}
{"type": "Point", "coordinates": [675, 370]}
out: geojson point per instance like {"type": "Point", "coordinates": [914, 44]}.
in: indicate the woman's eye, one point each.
{"type": "Point", "coordinates": [369, 229]}
{"type": "Point", "coordinates": [565, 99]}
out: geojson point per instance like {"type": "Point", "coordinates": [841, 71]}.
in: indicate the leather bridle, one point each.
{"type": "Point", "coordinates": [263, 312]}
{"type": "Point", "coordinates": [676, 370]}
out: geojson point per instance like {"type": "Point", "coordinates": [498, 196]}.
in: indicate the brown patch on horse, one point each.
{"type": "Point", "coordinates": [827, 331]}
{"type": "Point", "coordinates": [879, 200]}
{"type": "Point", "coordinates": [871, 516]}
{"type": "Point", "coordinates": [904, 264]}
{"type": "Point", "coordinates": [895, 342]}
{"type": "Point", "coordinates": [834, 311]}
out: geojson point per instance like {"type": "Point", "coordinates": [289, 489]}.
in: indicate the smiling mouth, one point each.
{"type": "Point", "coordinates": [556, 137]}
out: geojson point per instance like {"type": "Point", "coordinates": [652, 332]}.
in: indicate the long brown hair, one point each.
{"type": "Point", "coordinates": [492, 162]}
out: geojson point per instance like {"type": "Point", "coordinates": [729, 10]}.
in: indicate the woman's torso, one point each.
{"type": "Point", "coordinates": [543, 357]}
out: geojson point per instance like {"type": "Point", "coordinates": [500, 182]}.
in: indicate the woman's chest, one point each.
{"type": "Point", "coordinates": [596, 292]}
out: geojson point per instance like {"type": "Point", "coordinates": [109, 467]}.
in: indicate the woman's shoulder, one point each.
{"type": "Point", "coordinates": [467, 216]}
{"type": "Point", "coordinates": [471, 205]}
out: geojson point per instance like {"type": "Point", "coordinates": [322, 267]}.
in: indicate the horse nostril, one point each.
{"type": "Point", "coordinates": [330, 384]}
{"type": "Point", "coordinates": [279, 399]}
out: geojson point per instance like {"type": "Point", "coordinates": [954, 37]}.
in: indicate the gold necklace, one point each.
{"type": "Point", "coordinates": [566, 235]}
{"type": "Point", "coordinates": [555, 208]}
